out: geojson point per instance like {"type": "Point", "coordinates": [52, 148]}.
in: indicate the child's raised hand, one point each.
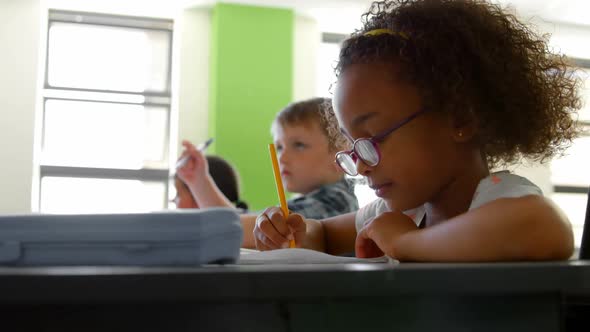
{"type": "Point", "coordinates": [380, 234]}
{"type": "Point", "coordinates": [196, 168]}
{"type": "Point", "coordinates": [274, 231]}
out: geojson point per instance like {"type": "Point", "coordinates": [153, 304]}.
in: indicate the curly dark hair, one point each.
{"type": "Point", "coordinates": [472, 59]}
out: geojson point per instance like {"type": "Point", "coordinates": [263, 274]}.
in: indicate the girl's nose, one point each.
{"type": "Point", "coordinates": [362, 168]}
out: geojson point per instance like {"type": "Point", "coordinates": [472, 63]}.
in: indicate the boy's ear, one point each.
{"type": "Point", "coordinates": [464, 126]}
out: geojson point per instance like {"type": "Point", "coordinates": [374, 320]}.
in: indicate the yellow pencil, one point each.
{"type": "Point", "coordinates": [279, 183]}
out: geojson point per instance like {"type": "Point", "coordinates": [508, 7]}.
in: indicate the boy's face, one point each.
{"type": "Point", "coordinates": [184, 199]}
{"type": "Point", "coordinates": [418, 160]}
{"type": "Point", "coordinates": [305, 160]}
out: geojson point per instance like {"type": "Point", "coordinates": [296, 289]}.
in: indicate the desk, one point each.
{"type": "Point", "coordinates": [354, 297]}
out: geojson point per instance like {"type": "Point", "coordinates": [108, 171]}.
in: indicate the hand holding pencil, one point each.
{"type": "Point", "coordinates": [275, 227]}
{"type": "Point", "coordinates": [279, 184]}
{"type": "Point", "coordinates": [186, 157]}
{"type": "Point", "coordinates": [192, 167]}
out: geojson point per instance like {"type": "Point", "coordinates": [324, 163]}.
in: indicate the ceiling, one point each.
{"type": "Point", "coordinates": [332, 15]}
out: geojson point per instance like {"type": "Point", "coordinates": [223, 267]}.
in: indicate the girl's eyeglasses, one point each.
{"type": "Point", "coordinates": [367, 149]}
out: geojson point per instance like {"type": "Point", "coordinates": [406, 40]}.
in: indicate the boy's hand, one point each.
{"type": "Point", "coordinates": [273, 231]}
{"type": "Point", "coordinates": [380, 234]}
{"type": "Point", "coordinates": [196, 169]}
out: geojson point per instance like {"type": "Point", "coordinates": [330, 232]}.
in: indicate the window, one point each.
{"type": "Point", "coordinates": [571, 173]}
{"type": "Point", "coordinates": [328, 53]}
{"type": "Point", "coordinates": [106, 114]}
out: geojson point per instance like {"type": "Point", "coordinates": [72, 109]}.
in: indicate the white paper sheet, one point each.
{"type": "Point", "coordinates": [302, 256]}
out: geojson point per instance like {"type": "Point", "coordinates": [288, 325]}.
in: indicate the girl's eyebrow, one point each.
{"type": "Point", "coordinates": [363, 118]}
{"type": "Point", "coordinates": [357, 122]}
{"type": "Point", "coordinates": [346, 134]}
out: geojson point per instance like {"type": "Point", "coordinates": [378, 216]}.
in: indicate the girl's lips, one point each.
{"type": "Point", "coordinates": [381, 190]}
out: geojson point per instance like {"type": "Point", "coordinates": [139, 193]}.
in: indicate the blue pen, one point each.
{"type": "Point", "coordinates": [202, 147]}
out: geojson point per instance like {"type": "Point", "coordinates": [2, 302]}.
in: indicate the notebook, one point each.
{"type": "Point", "coordinates": [303, 256]}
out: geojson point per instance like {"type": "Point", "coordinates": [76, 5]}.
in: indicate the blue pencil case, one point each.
{"type": "Point", "coordinates": [167, 238]}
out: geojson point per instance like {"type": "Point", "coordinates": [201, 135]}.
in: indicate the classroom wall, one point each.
{"type": "Point", "coordinates": [194, 27]}
{"type": "Point", "coordinates": [251, 78]}
{"type": "Point", "coordinates": [192, 119]}
{"type": "Point", "coordinates": [307, 41]}
{"type": "Point", "coordinates": [19, 37]}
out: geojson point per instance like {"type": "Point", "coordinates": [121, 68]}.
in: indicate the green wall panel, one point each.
{"type": "Point", "coordinates": [250, 81]}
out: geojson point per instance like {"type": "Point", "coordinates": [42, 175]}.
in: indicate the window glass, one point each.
{"type": "Point", "coordinates": [85, 56]}
{"type": "Point", "coordinates": [93, 195]}
{"type": "Point", "coordinates": [103, 135]}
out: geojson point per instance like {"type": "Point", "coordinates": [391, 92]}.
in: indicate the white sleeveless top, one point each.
{"type": "Point", "coordinates": [495, 186]}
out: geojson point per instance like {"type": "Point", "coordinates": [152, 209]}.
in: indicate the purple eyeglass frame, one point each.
{"type": "Point", "coordinates": [374, 141]}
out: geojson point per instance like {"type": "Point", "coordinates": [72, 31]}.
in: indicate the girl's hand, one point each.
{"type": "Point", "coordinates": [273, 231]}
{"type": "Point", "coordinates": [196, 169]}
{"type": "Point", "coordinates": [380, 235]}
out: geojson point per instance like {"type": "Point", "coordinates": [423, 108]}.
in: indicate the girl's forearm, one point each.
{"type": "Point", "coordinates": [511, 229]}
{"type": "Point", "coordinates": [248, 222]}
{"type": "Point", "coordinates": [315, 237]}
{"type": "Point", "coordinates": [339, 234]}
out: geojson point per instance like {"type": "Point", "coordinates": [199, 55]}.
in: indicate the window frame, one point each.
{"type": "Point", "coordinates": [573, 189]}
{"type": "Point", "coordinates": [159, 172]}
